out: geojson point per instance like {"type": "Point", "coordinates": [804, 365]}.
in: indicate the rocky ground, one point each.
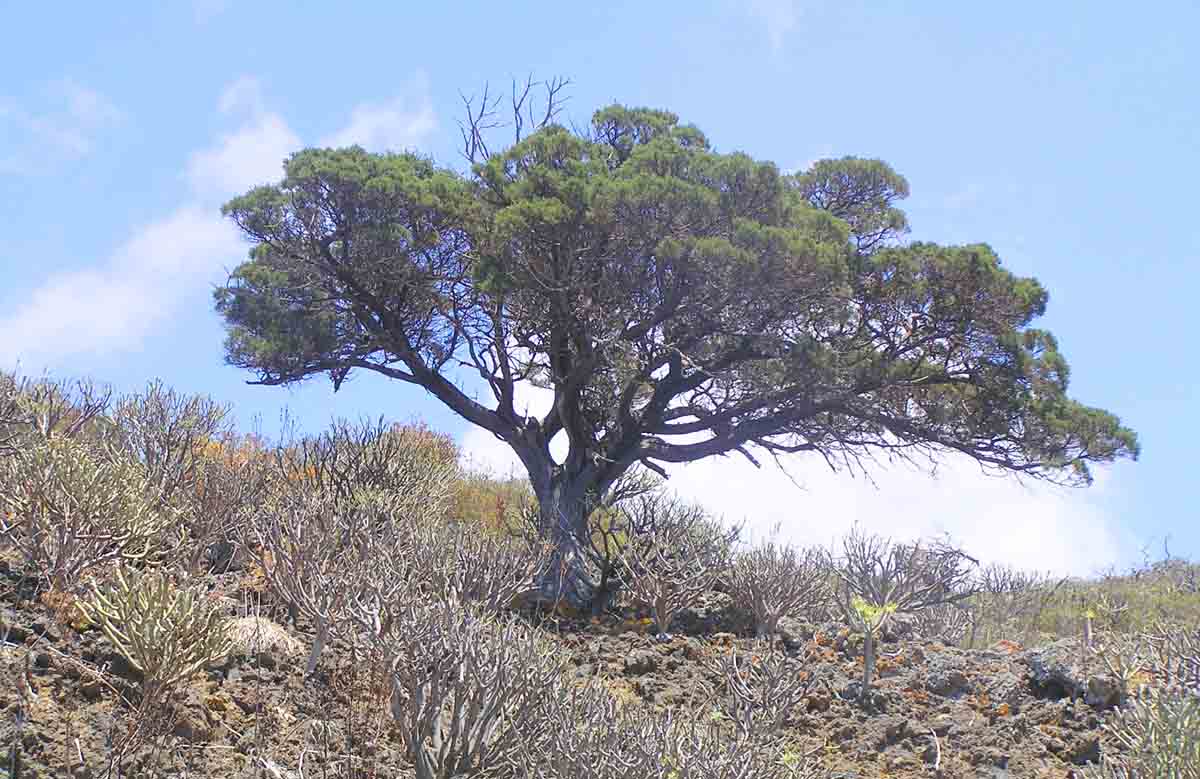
{"type": "Point", "coordinates": [67, 700]}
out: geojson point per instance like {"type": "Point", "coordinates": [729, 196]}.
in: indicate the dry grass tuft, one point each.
{"type": "Point", "coordinates": [255, 635]}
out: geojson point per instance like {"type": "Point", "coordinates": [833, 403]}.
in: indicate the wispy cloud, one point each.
{"type": "Point", "coordinates": [205, 11]}
{"type": "Point", "coordinates": [110, 308]}
{"type": "Point", "coordinates": [251, 155]}
{"type": "Point", "coordinates": [403, 122]}
{"type": "Point", "coordinates": [779, 17]}
{"type": "Point", "coordinates": [114, 305]}
{"type": "Point", "coordinates": [64, 125]}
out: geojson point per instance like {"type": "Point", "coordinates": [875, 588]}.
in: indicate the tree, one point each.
{"type": "Point", "coordinates": [680, 302]}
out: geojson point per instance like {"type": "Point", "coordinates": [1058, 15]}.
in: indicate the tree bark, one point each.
{"type": "Point", "coordinates": [563, 510]}
{"type": "Point", "coordinates": [868, 664]}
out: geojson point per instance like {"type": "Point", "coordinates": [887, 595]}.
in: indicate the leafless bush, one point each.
{"type": "Point", "coordinates": [66, 510]}
{"type": "Point", "coordinates": [167, 433]}
{"type": "Point", "coordinates": [949, 623]}
{"type": "Point", "coordinates": [879, 578]}
{"type": "Point", "coordinates": [1183, 575]}
{"type": "Point", "coordinates": [167, 633]}
{"type": "Point", "coordinates": [216, 514]}
{"type": "Point", "coordinates": [46, 408]}
{"type": "Point", "coordinates": [679, 558]}
{"type": "Point", "coordinates": [11, 416]}
{"type": "Point", "coordinates": [774, 580]}
{"type": "Point", "coordinates": [580, 732]}
{"type": "Point", "coordinates": [1008, 604]}
{"type": "Point", "coordinates": [695, 750]}
{"type": "Point", "coordinates": [763, 688]}
{"type": "Point", "coordinates": [458, 560]}
{"type": "Point", "coordinates": [409, 462]}
{"type": "Point", "coordinates": [317, 553]}
{"type": "Point", "coordinates": [466, 688]}
{"type": "Point", "coordinates": [1176, 657]}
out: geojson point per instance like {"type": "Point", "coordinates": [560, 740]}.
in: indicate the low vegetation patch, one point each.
{"type": "Point", "coordinates": [361, 609]}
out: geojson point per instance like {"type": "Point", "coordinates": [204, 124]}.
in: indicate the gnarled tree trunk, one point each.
{"type": "Point", "coordinates": [567, 579]}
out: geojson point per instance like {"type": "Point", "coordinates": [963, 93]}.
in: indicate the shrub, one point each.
{"type": "Point", "coordinates": [166, 633]}
{"type": "Point", "coordinates": [1009, 604]}
{"type": "Point", "coordinates": [763, 688]}
{"type": "Point", "coordinates": [167, 433]}
{"type": "Point", "coordinates": [494, 505]}
{"type": "Point", "coordinates": [584, 734]}
{"type": "Point", "coordinates": [42, 409]}
{"type": "Point", "coordinates": [464, 561]}
{"type": "Point", "coordinates": [67, 510]}
{"type": "Point", "coordinates": [466, 689]}
{"type": "Point", "coordinates": [879, 578]}
{"type": "Point", "coordinates": [318, 553]}
{"type": "Point", "coordinates": [1160, 734]}
{"type": "Point", "coordinates": [232, 480]}
{"type": "Point", "coordinates": [774, 580]}
{"type": "Point", "coordinates": [11, 416]}
{"type": "Point", "coordinates": [678, 556]}
{"type": "Point", "coordinates": [410, 463]}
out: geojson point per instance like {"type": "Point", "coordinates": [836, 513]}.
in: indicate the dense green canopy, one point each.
{"type": "Point", "coordinates": [680, 302]}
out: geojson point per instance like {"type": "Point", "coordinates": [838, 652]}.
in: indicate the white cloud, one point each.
{"type": "Point", "coordinates": [112, 306]}
{"type": "Point", "coordinates": [997, 519]}
{"type": "Point", "coordinates": [64, 127]}
{"type": "Point", "coordinates": [247, 157]}
{"type": "Point", "coordinates": [244, 94]}
{"type": "Point", "coordinates": [780, 17]}
{"type": "Point", "coordinates": [404, 122]}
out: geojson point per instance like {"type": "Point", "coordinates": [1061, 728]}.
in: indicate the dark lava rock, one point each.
{"type": "Point", "coordinates": [641, 661]}
{"type": "Point", "coordinates": [945, 676]}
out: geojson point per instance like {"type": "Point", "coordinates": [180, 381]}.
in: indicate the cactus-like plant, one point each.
{"type": "Point", "coordinates": [165, 432]}
{"type": "Point", "coordinates": [67, 509]}
{"type": "Point", "coordinates": [467, 688]}
{"type": "Point", "coordinates": [319, 553]}
{"type": "Point", "coordinates": [486, 570]}
{"type": "Point", "coordinates": [39, 409]}
{"type": "Point", "coordinates": [165, 632]}
{"type": "Point", "coordinates": [763, 687]}
{"type": "Point", "coordinates": [411, 464]}
{"type": "Point", "coordinates": [1159, 735]}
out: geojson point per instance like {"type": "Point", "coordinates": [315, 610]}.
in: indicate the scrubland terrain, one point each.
{"type": "Point", "coordinates": [180, 599]}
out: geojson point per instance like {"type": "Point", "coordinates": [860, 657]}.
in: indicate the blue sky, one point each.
{"type": "Point", "coordinates": [1062, 134]}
